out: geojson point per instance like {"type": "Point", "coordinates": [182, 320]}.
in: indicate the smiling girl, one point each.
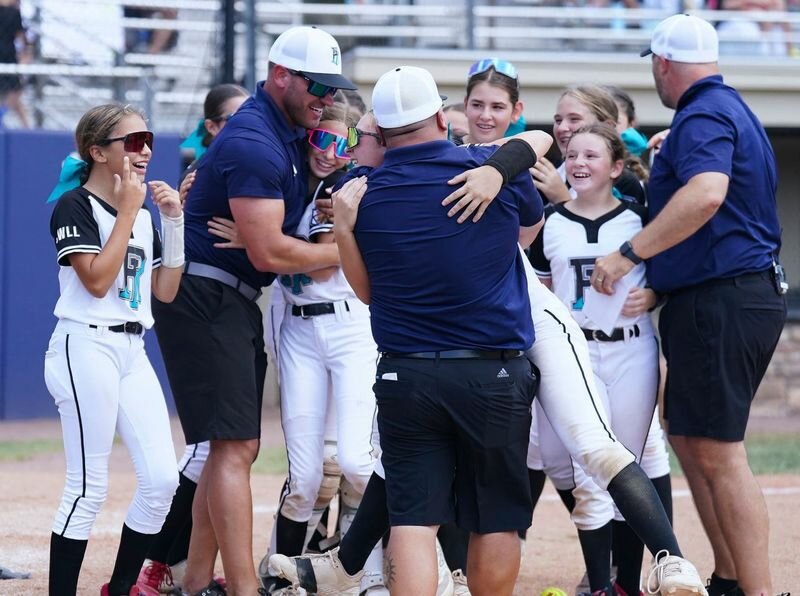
{"type": "Point", "coordinates": [111, 261]}
{"type": "Point", "coordinates": [624, 361]}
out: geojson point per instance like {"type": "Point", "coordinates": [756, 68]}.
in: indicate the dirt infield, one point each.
{"type": "Point", "coordinates": [33, 487]}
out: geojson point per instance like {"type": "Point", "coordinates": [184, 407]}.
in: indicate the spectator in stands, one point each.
{"type": "Point", "coordinates": [753, 38]}
{"type": "Point", "coordinates": [11, 34]}
{"type": "Point", "coordinates": [153, 41]}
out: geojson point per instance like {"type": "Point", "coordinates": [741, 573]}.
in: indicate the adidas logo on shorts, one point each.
{"type": "Point", "coordinates": [502, 374]}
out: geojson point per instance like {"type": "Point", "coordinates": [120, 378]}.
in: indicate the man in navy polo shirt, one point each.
{"type": "Point", "coordinates": [712, 249]}
{"type": "Point", "coordinates": [211, 336]}
{"type": "Point", "coordinates": [451, 316]}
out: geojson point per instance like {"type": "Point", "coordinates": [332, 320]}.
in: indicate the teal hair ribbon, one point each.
{"type": "Point", "coordinates": [516, 127]}
{"type": "Point", "coordinates": [635, 142]}
{"type": "Point", "coordinates": [194, 142]}
{"type": "Point", "coordinates": [71, 170]}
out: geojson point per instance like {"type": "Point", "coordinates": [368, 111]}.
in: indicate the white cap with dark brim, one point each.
{"type": "Point", "coordinates": [684, 38]}
{"type": "Point", "coordinates": [312, 52]}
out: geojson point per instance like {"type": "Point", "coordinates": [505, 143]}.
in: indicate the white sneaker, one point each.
{"type": "Point", "coordinates": [319, 574]}
{"type": "Point", "coordinates": [674, 576]}
{"type": "Point", "coordinates": [460, 584]}
{"type": "Point", "coordinates": [444, 586]}
{"type": "Point", "coordinates": [372, 585]}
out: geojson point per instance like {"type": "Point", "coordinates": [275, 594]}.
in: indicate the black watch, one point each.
{"type": "Point", "coordinates": [627, 251]}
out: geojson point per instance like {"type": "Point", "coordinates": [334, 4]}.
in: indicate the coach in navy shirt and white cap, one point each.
{"type": "Point", "coordinates": [211, 336]}
{"type": "Point", "coordinates": [712, 249]}
{"type": "Point", "coordinates": [451, 316]}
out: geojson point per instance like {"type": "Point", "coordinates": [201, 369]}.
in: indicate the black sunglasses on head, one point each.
{"type": "Point", "coordinates": [134, 142]}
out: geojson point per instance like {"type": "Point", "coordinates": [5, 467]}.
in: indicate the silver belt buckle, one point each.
{"type": "Point", "coordinates": [303, 314]}
{"type": "Point", "coordinates": [595, 334]}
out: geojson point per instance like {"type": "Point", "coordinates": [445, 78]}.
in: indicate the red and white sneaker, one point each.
{"type": "Point", "coordinates": [156, 575]}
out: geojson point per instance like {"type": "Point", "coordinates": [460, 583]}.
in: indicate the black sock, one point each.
{"type": "Point", "coordinates": [568, 499]}
{"type": "Point", "coordinates": [663, 486]}
{"type": "Point", "coordinates": [719, 586]}
{"type": "Point", "coordinates": [637, 500]}
{"type": "Point", "coordinates": [370, 523]}
{"type": "Point", "coordinates": [133, 547]}
{"type": "Point", "coordinates": [66, 558]}
{"type": "Point", "coordinates": [628, 552]}
{"type": "Point", "coordinates": [179, 512]}
{"type": "Point", "coordinates": [596, 549]}
{"type": "Point", "coordinates": [455, 543]}
{"type": "Point", "coordinates": [536, 478]}
{"type": "Point", "coordinates": [179, 551]}
{"type": "Point", "coordinates": [290, 538]}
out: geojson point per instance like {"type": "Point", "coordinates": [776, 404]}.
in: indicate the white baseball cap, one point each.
{"type": "Point", "coordinates": [684, 38]}
{"type": "Point", "coordinates": [312, 52]}
{"type": "Point", "coordinates": [405, 95]}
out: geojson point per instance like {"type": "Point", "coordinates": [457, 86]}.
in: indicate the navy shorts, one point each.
{"type": "Point", "coordinates": [212, 341]}
{"type": "Point", "coordinates": [718, 338]}
{"type": "Point", "coordinates": [454, 435]}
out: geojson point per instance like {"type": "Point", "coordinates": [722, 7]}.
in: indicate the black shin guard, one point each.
{"type": "Point", "coordinates": [66, 558]}
{"type": "Point", "coordinates": [596, 549]}
{"type": "Point", "coordinates": [133, 547]}
{"type": "Point", "coordinates": [637, 500]}
{"type": "Point", "coordinates": [370, 523]}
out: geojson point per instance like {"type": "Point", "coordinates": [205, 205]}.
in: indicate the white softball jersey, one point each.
{"type": "Point", "coordinates": [82, 223]}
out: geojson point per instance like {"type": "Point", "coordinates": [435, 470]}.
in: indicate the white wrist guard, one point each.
{"type": "Point", "coordinates": [172, 241]}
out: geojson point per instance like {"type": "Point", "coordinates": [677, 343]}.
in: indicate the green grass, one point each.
{"type": "Point", "coordinates": [271, 460]}
{"type": "Point", "coordinates": [768, 454]}
{"type": "Point", "coordinates": [24, 450]}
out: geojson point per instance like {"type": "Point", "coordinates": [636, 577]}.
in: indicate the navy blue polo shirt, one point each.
{"type": "Point", "coordinates": [713, 130]}
{"type": "Point", "coordinates": [436, 284]}
{"type": "Point", "coordinates": [259, 155]}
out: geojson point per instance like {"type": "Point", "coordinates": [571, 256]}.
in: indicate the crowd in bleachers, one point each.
{"type": "Point", "coordinates": [180, 44]}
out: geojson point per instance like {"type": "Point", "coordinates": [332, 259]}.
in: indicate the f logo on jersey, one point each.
{"type": "Point", "coordinates": [582, 269]}
{"type": "Point", "coordinates": [132, 276]}
{"type": "Point", "coordinates": [335, 55]}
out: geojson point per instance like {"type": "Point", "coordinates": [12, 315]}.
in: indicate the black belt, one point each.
{"type": "Point", "coordinates": [618, 334]}
{"type": "Point", "coordinates": [222, 276]}
{"type": "Point", "coordinates": [314, 310]}
{"type": "Point", "coordinates": [130, 327]}
{"type": "Point", "coordinates": [458, 354]}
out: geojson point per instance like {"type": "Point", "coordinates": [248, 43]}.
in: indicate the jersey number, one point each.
{"type": "Point", "coordinates": [582, 269]}
{"type": "Point", "coordinates": [134, 268]}
{"type": "Point", "coordinates": [296, 282]}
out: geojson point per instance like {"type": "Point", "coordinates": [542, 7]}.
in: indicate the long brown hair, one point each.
{"type": "Point", "coordinates": [597, 100]}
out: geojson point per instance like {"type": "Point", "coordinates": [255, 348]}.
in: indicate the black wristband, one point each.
{"type": "Point", "coordinates": [512, 158]}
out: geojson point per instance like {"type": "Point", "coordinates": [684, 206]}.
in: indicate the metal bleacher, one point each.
{"type": "Point", "coordinates": [81, 58]}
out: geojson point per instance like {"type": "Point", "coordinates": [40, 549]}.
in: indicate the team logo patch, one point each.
{"type": "Point", "coordinates": [335, 56]}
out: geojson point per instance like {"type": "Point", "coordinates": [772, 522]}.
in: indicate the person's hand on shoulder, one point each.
{"type": "Point", "coordinates": [480, 186]}
{"type": "Point", "coordinates": [165, 198]}
{"type": "Point", "coordinates": [346, 201]}
{"type": "Point", "coordinates": [129, 192]}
